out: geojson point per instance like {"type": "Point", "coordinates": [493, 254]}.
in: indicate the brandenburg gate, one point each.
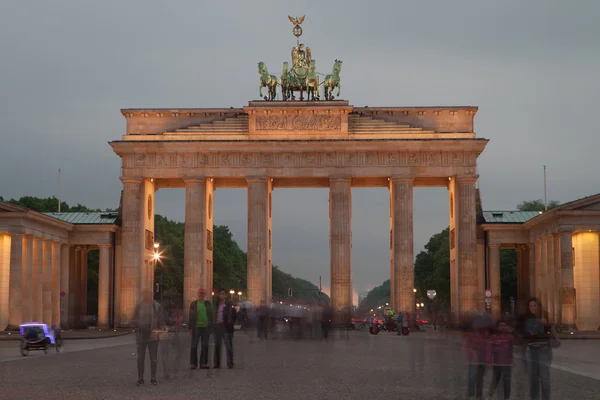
{"type": "Point", "coordinates": [297, 143]}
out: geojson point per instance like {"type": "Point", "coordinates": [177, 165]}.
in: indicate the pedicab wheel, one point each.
{"type": "Point", "coordinates": [24, 349]}
{"type": "Point", "coordinates": [405, 331]}
{"type": "Point", "coordinates": [373, 330]}
{"type": "Point", "coordinates": [362, 327]}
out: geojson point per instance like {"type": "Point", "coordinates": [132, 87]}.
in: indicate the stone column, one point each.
{"type": "Point", "coordinates": [83, 283]}
{"type": "Point", "coordinates": [36, 281]}
{"type": "Point", "coordinates": [47, 282]}
{"type": "Point", "coordinates": [195, 241]}
{"type": "Point", "coordinates": [18, 257]}
{"type": "Point", "coordinates": [74, 287]}
{"type": "Point", "coordinates": [567, 285]}
{"type": "Point", "coordinates": [466, 238]}
{"type": "Point", "coordinates": [132, 242]}
{"type": "Point", "coordinates": [403, 273]}
{"type": "Point", "coordinates": [64, 285]}
{"type": "Point", "coordinates": [27, 276]}
{"type": "Point", "coordinates": [539, 268]}
{"type": "Point", "coordinates": [55, 284]}
{"type": "Point", "coordinates": [549, 306]}
{"type": "Point", "coordinates": [494, 254]}
{"type": "Point", "coordinates": [523, 277]}
{"type": "Point", "coordinates": [544, 274]}
{"type": "Point", "coordinates": [532, 272]}
{"type": "Point", "coordinates": [5, 251]}
{"type": "Point", "coordinates": [340, 243]}
{"type": "Point", "coordinates": [557, 278]}
{"type": "Point", "coordinates": [103, 286]}
{"type": "Point", "coordinates": [258, 239]}
{"type": "Point", "coordinates": [117, 292]}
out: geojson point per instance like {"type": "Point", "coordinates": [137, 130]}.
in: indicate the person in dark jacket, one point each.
{"type": "Point", "coordinates": [200, 322]}
{"type": "Point", "coordinates": [536, 332]}
{"type": "Point", "coordinates": [225, 316]}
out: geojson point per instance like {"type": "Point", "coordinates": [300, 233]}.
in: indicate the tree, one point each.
{"type": "Point", "coordinates": [536, 205]}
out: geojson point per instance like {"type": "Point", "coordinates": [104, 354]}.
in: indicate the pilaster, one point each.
{"type": "Point", "coordinates": [550, 297]}
{"type": "Point", "coordinates": [557, 278]}
{"type": "Point", "coordinates": [83, 283]}
{"type": "Point", "coordinates": [259, 244]}
{"type": "Point", "coordinates": [402, 241]}
{"type": "Point", "coordinates": [340, 245]}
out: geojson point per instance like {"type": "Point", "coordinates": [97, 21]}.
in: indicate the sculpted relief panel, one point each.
{"type": "Point", "coordinates": [299, 123]}
{"type": "Point", "coordinates": [300, 159]}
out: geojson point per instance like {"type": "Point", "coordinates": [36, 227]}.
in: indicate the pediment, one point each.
{"type": "Point", "coordinates": [7, 207]}
{"type": "Point", "coordinates": [590, 203]}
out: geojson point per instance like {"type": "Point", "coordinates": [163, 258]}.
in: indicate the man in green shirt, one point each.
{"type": "Point", "coordinates": [200, 323]}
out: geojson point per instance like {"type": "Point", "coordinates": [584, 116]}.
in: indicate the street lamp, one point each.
{"type": "Point", "coordinates": [414, 290]}
{"type": "Point", "coordinates": [156, 257]}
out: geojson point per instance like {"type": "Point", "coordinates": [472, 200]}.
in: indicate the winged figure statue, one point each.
{"type": "Point", "coordinates": [296, 21]}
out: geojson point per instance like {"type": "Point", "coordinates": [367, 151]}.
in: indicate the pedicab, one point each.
{"type": "Point", "coordinates": [37, 336]}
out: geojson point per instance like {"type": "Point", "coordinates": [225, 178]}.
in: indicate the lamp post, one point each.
{"type": "Point", "coordinates": [156, 257]}
{"type": "Point", "coordinates": [240, 296]}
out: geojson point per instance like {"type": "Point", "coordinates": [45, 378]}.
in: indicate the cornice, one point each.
{"type": "Point", "coordinates": [41, 218]}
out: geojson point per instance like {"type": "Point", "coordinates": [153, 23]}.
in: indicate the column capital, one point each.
{"type": "Point", "coordinates": [104, 246]}
{"type": "Point", "coordinates": [196, 179]}
{"type": "Point", "coordinates": [466, 178]}
{"type": "Point", "coordinates": [129, 179]}
{"type": "Point", "coordinates": [257, 179]}
{"type": "Point", "coordinates": [401, 179]}
{"type": "Point", "coordinates": [340, 178]}
{"type": "Point", "coordinates": [493, 245]}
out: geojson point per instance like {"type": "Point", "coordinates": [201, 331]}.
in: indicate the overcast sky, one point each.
{"type": "Point", "coordinates": [68, 67]}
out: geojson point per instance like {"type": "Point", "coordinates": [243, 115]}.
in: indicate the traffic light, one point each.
{"type": "Point", "coordinates": [290, 292]}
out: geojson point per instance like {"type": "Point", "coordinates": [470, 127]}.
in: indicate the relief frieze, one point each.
{"type": "Point", "coordinates": [300, 159]}
{"type": "Point", "coordinates": [299, 122]}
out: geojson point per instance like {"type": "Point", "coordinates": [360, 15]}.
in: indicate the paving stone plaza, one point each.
{"type": "Point", "coordinates": [356, 366]}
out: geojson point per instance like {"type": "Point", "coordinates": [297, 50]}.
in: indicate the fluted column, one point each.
{"type": "Point", "coordinates": [55, 284]}
{"type": "Point", "coordinates": [103, 286]}
{"type": "Point", "coordinates": [466, 239]}
{"type": "Point", "coordinates": [5, 251]}
{"type": "Point", "coordinates": [36, 280]}
{"type": "Point", "coordinates": [83, 283]}
{"type": "Point", "coordinates": [340, 242]}
{"type": "Point", "coordinates": [532, 271]}
{"type": "Point", "coordinates": [557, 278]}
{"type": "Point", "coordinates": [195, 242]}
{"type": "Point", "coordinates": [259, 250]}
{"type": "Point", "coordinates": [47, 282]}
{"type": "Point", "coordinates": [64, 285]}
{"type": "Point", "coordinates": [543, 273]}
{"type": "Point", "coordinates": [567, 284]}
{"type": "Point", "coordinates": [495, 286]}
{"type": "Point", "coordinates": [403, 275]}
{"type": "Point", "coordinates": [523, 277]}
{"type": "Point", "coordinates": [18, 257]}
{"type": "Point", "coordinates": [132, 241]}
{"type": "Point", "coordinates": [74, 287]}
{"type": "Point", "coordinates": [550, 278]}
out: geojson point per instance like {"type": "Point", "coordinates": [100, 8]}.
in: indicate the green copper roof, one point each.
{"type": "Point", "coordinates": [90, 218]}
{"type": "Point", "coordinates": [508, 217]}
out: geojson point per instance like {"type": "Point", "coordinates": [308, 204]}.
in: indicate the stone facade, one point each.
{"type": "Point", "coordinates": [557, 257]}
{"type": "Point", "coordinates": [43, 268]}
{"type": "Point", "coordinates": [329, 144]}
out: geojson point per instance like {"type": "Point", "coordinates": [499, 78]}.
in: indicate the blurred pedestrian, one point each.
{"type": "Point", "coordinates": [224, 328]}
{"type": "Point", "coordinates": [150, 322]}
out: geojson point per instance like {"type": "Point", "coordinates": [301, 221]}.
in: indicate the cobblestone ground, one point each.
{"type": "Point", "coordinates": [356, 366]}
